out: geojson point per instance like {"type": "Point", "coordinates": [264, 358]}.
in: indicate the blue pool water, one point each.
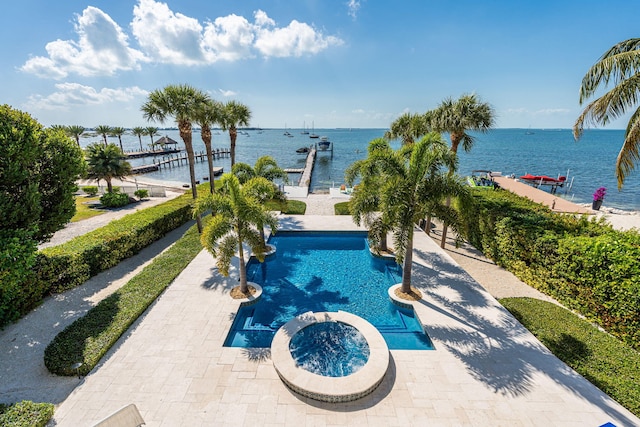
{"type": "Point", "coordinates": [324, 271]}
{"type": "Point", "coordinates": [330, 349]}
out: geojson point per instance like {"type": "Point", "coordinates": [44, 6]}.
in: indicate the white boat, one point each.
{"type": "Point", "coordinates": [313, 135]}
{"type": "Point", "coordinates": [324, 143]}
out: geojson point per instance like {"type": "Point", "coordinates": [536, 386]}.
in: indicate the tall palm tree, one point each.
{"type": "Point", "coordinates": [620, 64]}
{"type": "Point", "coordinates": [181, 102]}
{"type": "Point", "coordinates": [106, 162]}
{"type": "Point", "coordinates": [457, 117]}
{"type": "Point", "coordinates": [236, 214]}
{"type": "Point", "coordinates": [235, 114]}
{"type": "Point", "coordinates": [408, 127]}
{"type": "Point", "coordinates": [75, 131]}
{"type": "Point", "coordinates": [151, 131]}
{"type": "Point", "coordinates": [103, 130]}
{"type": "Point", "coordinates": [411, 179]}
{"type": "Point", "coordinates": [260, 179]}
{"type": "Point", "coordinates": [118, 131]}
{"type": "Point", "coordinates": [139, 131]}
{"type": "Point", "coordinates": [207, 115]}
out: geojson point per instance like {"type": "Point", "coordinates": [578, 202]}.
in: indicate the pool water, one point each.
{"type": "Point", "coordinates": [324, 271]}
{"type": "Point", "coordinates": [331, 349]}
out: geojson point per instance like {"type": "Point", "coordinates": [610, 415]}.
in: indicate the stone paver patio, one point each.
{"type": "Point", "coordinates": [486, 369]}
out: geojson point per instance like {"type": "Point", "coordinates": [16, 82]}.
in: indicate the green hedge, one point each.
{"type": "Point", "coordinates": [582, 262]}
{"type": "Point", "coordinates": [610, 365]}
{"type": "Point", "coordinates": [26, 414]}
{"type": "Point", "coordinates": [71, 264]}
{"type": "Point", "coordinates": [88, 338]}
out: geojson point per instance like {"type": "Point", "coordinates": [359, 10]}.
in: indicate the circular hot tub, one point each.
{"type": "Point", "coordinates": [332, 357]}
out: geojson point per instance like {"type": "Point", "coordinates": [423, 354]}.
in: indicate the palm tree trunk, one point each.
{"type": "Point", "coordinates": [140, 141]}
{"type": "Point", "coordinates": [233, 135]}
{"type": "Point", "coordinates": [406, 265]}
{"type": "Point", "coordinates": [185, 134]}
{"type": "Point", "coordinates": [120, 140]}
{"type": "Point", "coordinates": [244, 287]}
{"type": "Point", "coordinates": [109, 185]}
{"type": "Point", "coordinates": [427, 226]}
{"type": "Point", "coordinates": [205, 132]}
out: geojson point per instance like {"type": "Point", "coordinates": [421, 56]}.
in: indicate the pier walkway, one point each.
{"type": "Point", "coordinates": [553, 201]}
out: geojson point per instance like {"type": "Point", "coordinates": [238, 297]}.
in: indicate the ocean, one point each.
{"type": "Point", "coordinates": [589, 163]}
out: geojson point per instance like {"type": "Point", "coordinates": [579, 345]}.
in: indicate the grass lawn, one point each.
{"type": "Point", "coordinates": [342, 208]}
{"type": "Point", "coordinates": [609, 364]}
{"type": "Point", "coordinates": [292, 207]}
{"type": "Point", "coordinates": [84, 210]}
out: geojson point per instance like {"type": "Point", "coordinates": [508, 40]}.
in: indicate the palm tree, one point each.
{"type": "Point", "coordinates": [457, 118]}
{"type": "Point", "coordinates": [408, 127]}
{"type": "Point", "coordinates": [151, 131]}
{"type": "Point", "coordinates": [236, 214]}
{"type": "Point", "coordinates": [408, 183]}
{"type": "Point", "coordinates": [620, 64]}
{"type": "Point", "coordinates": [181, 102]}
{"type": "Point", "coordinates": [139, 131]}
{"type": "Point", "coordinates": [256, 178]}
{"type": "Point", "coordinates": [235, 114]}
{"type": "Point", "coordinates": [75, 131]}
{"type": "Point", "coordinates": [207, 115]}
{"type": "Point", "coordinates": [118, 131]}
{"type": "Point", "coordinates": [106, 162]}
{"type": "Point", "coordinates": [103, 130]}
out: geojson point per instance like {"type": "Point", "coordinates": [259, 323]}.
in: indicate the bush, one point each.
{"type": "Point", "coordinates": [26, 414]}
{"type": "Point", "coordinates": [91, 190]}
{"type": "Point", "coordinates": [114, 199]}
{"type": "Point", "coordinates": [141, 194]}
{"type": "Point", "coordinates": [610, 365]}
{"type": "Point", "coordinates": [289, 207]}
{"type": "Point", "coordinates": [342, 208]}
{"type": "Point", "coordinates": [585, 264]}
{"type": "Point", "coordinates": [87, 339]}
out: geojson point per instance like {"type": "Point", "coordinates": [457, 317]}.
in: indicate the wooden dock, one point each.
{"type": "Point", "coordinates": [179, 159]}
{"type": "Point", "coordinates": [553, 201]}
{"type": "Point", "coordinates": [139, 154]}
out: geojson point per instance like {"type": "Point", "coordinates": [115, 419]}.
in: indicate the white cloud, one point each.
{"type": "Point", "coordinates": [227, 93]}
{"type": "Point", "coordinates": [548, 111]}
{"type": "Point", "coordinates": [165, 36]}
{"type": "Point", "coordinates": [74, 94]}
{"type": "Point", "coordinates": [102, 49]}
{"type": "Point", "coordinates": [353, 6]}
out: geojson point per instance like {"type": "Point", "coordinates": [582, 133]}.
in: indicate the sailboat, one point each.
{"type": "Point", "coordinates": [313, 135]}
{"type": "Point", "coordinates": [304, 129]}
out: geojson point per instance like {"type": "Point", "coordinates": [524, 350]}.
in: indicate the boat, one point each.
{"type": "Point", "coordinates": [313, 135]}
{"type": "Point", "coordinates": [324, 143]}
{"type": "Point", "coordinates": [540, 180]}
{"type": "Point", "coordinates": [302, 150]}
{"type": "Point", "coordinates": [304, 129]}
{"type": "Point", "coordinates": [481, 178]}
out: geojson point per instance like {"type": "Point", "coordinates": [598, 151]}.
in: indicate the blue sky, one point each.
{"type": "Point", "coordinates": [333, 63]}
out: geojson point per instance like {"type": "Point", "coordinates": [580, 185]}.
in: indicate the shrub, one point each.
{"type": "Point", "coordinates": [342, 208]}
{"type": "Point", "coordinates": [610, 365]}
{"type": "Point", "coordinates": [141, 194]}
{"type": "Point", "coordinates": [91, 190]}
{"type": "Point", "coordinates": [114, 199]}
{"type": "Point", "coordinates": [585, 264]}
{"type": "Point", "coordinates": [87, 339]}
{"type": "Point", "coordinates": [26, 414]}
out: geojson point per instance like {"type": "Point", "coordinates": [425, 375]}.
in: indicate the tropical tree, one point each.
{"type": "Point", "coordinates": [408, 183]}
{"type": "Point", "coordinates": [151, 131]}
{"type": "Point", "coordinates": [621, 64]}
{"type": "Point", "coordinates": [183, 103]}
{"type": "Point", "coordinates": [75, 131]}
{"type": "Point", "coordinates": [237, 214]}
{"type": "Point", "coordinates": [263, 189]}
{"type": "Point", "coordinates": [457, 117]}
{"type": "Point", "coordinates": [118, 131]}
{"type": "Point", "coordinates": [207, 115]}
{"type": "Point", "coordinates": [103, 130]}
{"type": "Point", "coordinates": [139, 131]}
{"type": "Point", "coordinates": [235, 114]}
{"type": "Point", "coordinates": [106, 162]}
{"type": "Point", "coordinates": [408, 127]}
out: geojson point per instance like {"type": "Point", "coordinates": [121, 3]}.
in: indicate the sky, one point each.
{"type": "Point", "coordinates": [326, 63]}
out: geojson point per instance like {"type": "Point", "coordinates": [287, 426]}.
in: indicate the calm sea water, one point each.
{"type": "Point", "coordinates": [588, 163]}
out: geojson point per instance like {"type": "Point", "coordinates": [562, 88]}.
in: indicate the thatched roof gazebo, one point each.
{"type": "Point", "coordinates": [165, 140]}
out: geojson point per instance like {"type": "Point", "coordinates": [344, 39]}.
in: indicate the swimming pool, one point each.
{"type": "Point", "coordinates": [324, 271]}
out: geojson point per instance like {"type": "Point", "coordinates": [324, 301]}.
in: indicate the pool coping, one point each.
{"type": "Point", "coordinates": [330, 389]}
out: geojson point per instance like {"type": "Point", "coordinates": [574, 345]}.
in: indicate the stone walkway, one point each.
{"type": "Point", "coordinates": [172, 364]}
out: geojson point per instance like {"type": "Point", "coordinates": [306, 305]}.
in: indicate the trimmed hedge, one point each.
{"type": "Point", "coordinates": [89, 338]}
{"type": "Point", "coordinates": [585, 264]}
{"type": "Point", "coordinates": [341, 208]}
{"type": "Point", "coordinates": [607, 363]}
{"type": "Point", "coordinates": [71, 264]}
{"type": "Point", "coordinates": [26, 414]}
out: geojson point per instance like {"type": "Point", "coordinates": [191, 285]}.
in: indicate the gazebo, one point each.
{"type": "Point", "coordinates": [165, 140]}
